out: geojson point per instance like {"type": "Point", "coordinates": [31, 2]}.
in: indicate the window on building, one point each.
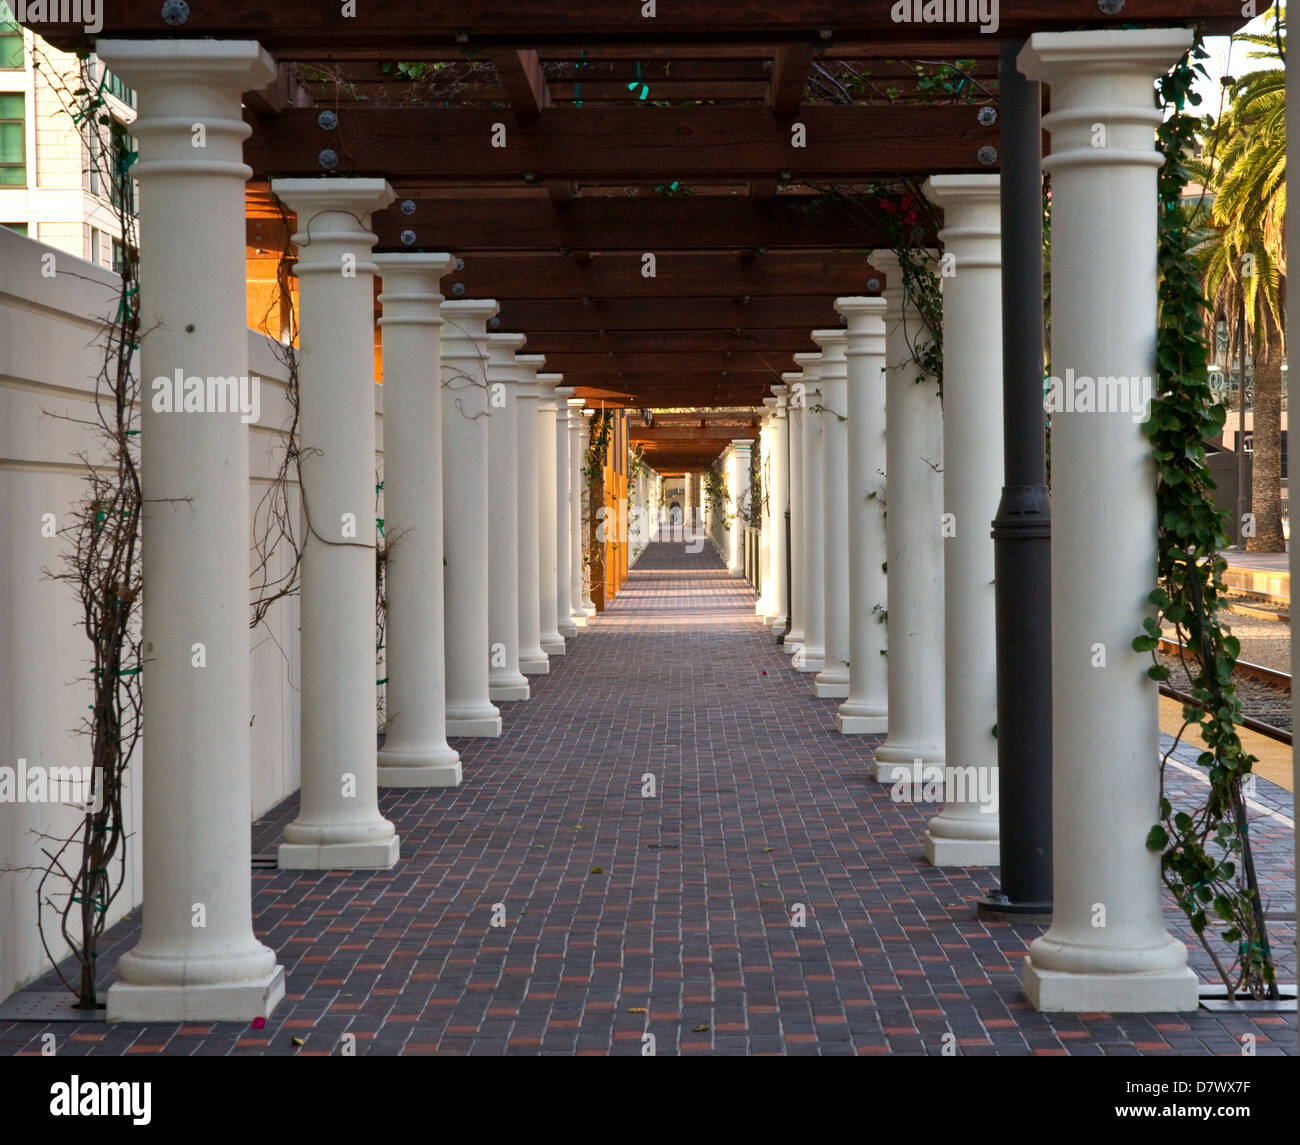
{"type": "Point", "coordinates": [11, 45]}
{"type": "Point", "coordinates": [95, 151]}
{"type": "Point", "coordinates": [17, 228]}
{"type": "Point", "coordinates": [13, 140]}
{"type": "Point", "coordinates": [96, 245]}
{"type": "Point", "coordinates": [121, 252]}
{"type": "Point", "coordinates": [122, 185]}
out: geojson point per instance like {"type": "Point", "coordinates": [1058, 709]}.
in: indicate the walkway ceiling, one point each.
{"type": "Point", "coordinates": [626, 135]}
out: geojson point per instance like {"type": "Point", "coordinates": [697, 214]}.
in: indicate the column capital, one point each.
{"type": "Point", "coordinates": [333, 216]}
{"type": "Point", "coordinates": [502, 348]}
{"type": "Point", "coordinates": [1102, 79]}
{"type": "Point", "coordinates": [547, 385]}
{"type": "Point", "coordinates": [811, 366]}
{"type": "Point", "coordinates": [866, 329]}
{"type": "Point", "coordinates": [834, 343]}
{"type": "Point", "coordinates": [472, 309]}
{"type": "Point", "coordinates": [240, 62]}
{"type": "Point", "coordinates": [743, 444]}
{"type": "Point", "coordinates": [529, 367]}
{"type": "Point", "coordinates": [861, 306]}
{"type": "Point", "coordinates": [577, 404]}
{"type": "Point", "coordinates": [410, 295]}
{"type": "Point", "coordinates": [972, 231]}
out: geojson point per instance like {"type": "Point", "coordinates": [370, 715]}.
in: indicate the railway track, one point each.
{"type": "Point", "coordinates": [1264, 692]}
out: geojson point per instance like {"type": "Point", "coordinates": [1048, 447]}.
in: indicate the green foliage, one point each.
{"type": "Point", "coordinates": [1199, 849]}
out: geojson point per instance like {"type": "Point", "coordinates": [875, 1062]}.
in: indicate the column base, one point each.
{"type": "Point", "coordinates": [1163, 992]}
{"type": "Point", "coordinates": [579, 619]}
{"type": "Point", "coordinates": [420, 775]}
{"type": "Point", "coordinates": [538, 666]}
{"type": "Point", "coordinates": [736, 574]}
{"type": "Point", "coordinates": [892, 771]}
{"type": "Point", "coordinates": [943, 851]}
{"type": "Point", "coordinates": [589, 608]}
{"type": "Point", "coordinates": [397, 768]}
{"type": "Point", "coordinates": [568, 631]}
{"type": "Point", "coordinates": [508, 692]}
{"type": "Point", "coordinates": [856, 725]}
{"type": "Point", "coordinates": [791, 647]}
{"type": "Point", "coordinates": [553, 647]}
{"type": "Point", "coordinates": [481, 727]}
{"type": "Point", "coordinates": [220, 1002]}
{"type": "Point", "coordinates": [832, 684]}
{"type": "Point", "coordinates": [376, 855]}
{"type": "Point", "coordinates": [809, 660]}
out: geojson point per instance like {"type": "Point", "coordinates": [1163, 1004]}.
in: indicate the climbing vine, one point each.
{"type": "Point", "coordinates": [1205, 851]}
{"type": "Point", "coordinates": [86, 867]}
{"type": "Point", "coordinates": [716, 493]}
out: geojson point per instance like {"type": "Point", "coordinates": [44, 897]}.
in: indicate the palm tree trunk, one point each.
{"type": "Point", "coordinates": [1266, 475]}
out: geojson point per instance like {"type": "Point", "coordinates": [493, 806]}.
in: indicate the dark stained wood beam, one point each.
{"type": "Point", "coordinates": [789, 79]}
{"type": "Point", "coordinates": [753, 382]}
{"type": "Point", "coordinates": [625, 144]}
{"type": "Point", "coordinates": [659, 314]}
{"type": "Point", "coordinates": [666, 363]}
{"type": "Point", "coordinates": [663, 435]}
{"type": "Point", "coordinates": [530, 23]}
{"type": "Point", "coordinates": [525, 85]}
{"type": "Point", "coordinates": [283, 91]}
{"type": "Point", "coordinates": [517, 276]}
{"type": "Point", "coordinates": [640, 223]}
{"type": "Point", "coordinates": [682, 341]}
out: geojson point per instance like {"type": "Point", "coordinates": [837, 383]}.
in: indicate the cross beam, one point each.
{"type": "Point", "coordinates": [623, 144]}
{"type": "Point", "coordinates": [675, 275]}
{"type": "Point", "coordinates": [637, 223]}
{"type": "Point", "coordinates": [527, 23]}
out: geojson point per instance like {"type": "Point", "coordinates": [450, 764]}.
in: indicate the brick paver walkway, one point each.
{"type": "Point", "coordinates": [624, 914]}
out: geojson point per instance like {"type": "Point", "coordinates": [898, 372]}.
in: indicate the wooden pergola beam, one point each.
{"type": "Point", "coordinates": [682, 341]}
{"type": "Point", "coordinates": [676, 275]}
{"type": "Point", "coordinates": [521, 76]}
{"type": "Point", "coordinates": [536, 316]}
{"type": "Point", "coordinates": [623, 144]}
{"type": "Point", "coordinates": [789, 79]}
{"type": "Point", "coordinates": [531, 23]}
{"type": "Point", "coordinates": [639, 223]}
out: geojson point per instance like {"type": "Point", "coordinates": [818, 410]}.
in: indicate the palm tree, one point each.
{"type": "Point", "coordinates": [1245, 255]}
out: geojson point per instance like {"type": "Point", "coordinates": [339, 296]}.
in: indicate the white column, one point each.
{"type": "Point", "coordinates": [797, 410]}
{"type": "Point", "coordinates": [577, 479]}
{"type": "Point", "coordinates": [547, 519]}
{"type": "Point", "coordinates": [1106, 782]}
{"type": "Point", "coordinates": [564, 622]}
{"type": "Point", "coordinates": [913, 539]}
{"type": "Point", "coordinates": [195, 752]}
{"type": "Point", "coordinates": [763, 512]}
{"type": "Point", "coordinates": [965, 832]}
{"type": "Point", "coordinates": [505, 681]}
{"type": "Point", "coordinates": [415, 752]}
{"type": "Point", "coordinates": [532, 660]}
{"type": "Point", "coordinates": [738, 487]}
{"type": "Point", "coordinates": [865, 709]}
{"type": "Point", "coordinates": [832, 682]}
{"type": "Point", "coordinates": [584, 535]}
{"type": "Point", "coordinates": [338, 825]}
{"type": "Point", "coordinates": [465, 417]}
{"type": "Point", "coordinates": [779, 502]}
{"type": "Point", "coordinates": [812, 656]}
